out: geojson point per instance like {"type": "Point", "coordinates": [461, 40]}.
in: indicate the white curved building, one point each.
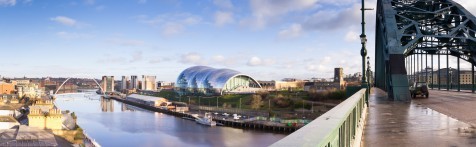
{"type": "Point", "coordinates": [203, 80]}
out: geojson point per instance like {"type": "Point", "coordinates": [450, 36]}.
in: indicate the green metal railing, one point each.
{"type": "Point", "coordinates": [338, 127]}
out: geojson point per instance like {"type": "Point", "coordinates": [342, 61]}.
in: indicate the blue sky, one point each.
{"type": "Point", "coordinates": [267, 39]}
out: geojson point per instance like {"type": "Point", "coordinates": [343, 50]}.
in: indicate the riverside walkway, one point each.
{"type": "Point", "coordinates": [392, 123]}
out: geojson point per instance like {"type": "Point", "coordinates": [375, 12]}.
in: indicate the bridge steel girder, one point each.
{"type": "Point", "coordinates": [405, 27]}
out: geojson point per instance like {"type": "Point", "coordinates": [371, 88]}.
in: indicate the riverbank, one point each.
{"type": "Point", "coordinates": [114, 123]}
{"type": "Point", "coordinates": [257, 124]}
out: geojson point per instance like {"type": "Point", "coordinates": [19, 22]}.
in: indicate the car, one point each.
{"type": "Point", "coordinates": [419, 88]}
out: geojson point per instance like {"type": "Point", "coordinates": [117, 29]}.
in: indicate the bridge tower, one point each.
{"type": "Point", "coordinates": [409, 28]}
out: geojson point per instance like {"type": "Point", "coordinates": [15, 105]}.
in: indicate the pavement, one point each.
{"type": "Point", "coordinates": [458, 105]}
{"type": "Point", "coordinates": [392, 123]}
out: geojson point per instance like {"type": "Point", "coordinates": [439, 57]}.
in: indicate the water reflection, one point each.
{"type": "Point", "coordinates": [133, 126]}
{"type": "Point", "coordinates": [107, 105]}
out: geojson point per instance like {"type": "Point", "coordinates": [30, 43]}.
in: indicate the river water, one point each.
{"type": "Point", "coordinates": [115, 124]}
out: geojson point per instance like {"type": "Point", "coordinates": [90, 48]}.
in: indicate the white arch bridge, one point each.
{"type": "Point", "coordinates": [77, 77]}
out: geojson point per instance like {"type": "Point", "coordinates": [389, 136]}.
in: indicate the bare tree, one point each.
{"type": "Point", "coordinates": [256, 102]}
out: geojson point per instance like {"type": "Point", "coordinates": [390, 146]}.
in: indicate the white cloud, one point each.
{"type": "Point", "coordinates": [222, 18]}
{"type": "Point", "coordinates": [72, 35]}
{"type": "Point", "coordinates": [192, 58]}
{"type": "Point", "coordinates": [64, 20]}
{"type": "Point", "coordinates": [325, 65]}
{"type": "Point", "coordinates": [218, 58]}
{"type": "Point", "coordinates": [158, 59]}
{"type": "Point", "coordinates": [264, 11]}
{"type": "Point", "coordinates": [170, 29]}
{"type": "Point", "coordinates": [155, 61]}
{"type": "Point", "coordinates": [229, 61]}
{"type": "Point", "coordinates": [469, 5]}
{"type": "Point", "coordinates": [333, 19]}
{"type": "Point", "coordinates": [8, 2]}
{"type": "Point", "coordinates": [294, 31]}
{"type": "Point", "coordinates": [142, 1]}
{"type": "Point", "coordinates": [191, 20]}
{"type": "Point", "coordinates": [223, 4]}
{"type": "Point", "coordinates": [256, 61]}
{"type": "Point", "coordinates": [125, 42]}
{"type": "Point", "coordinates": [351, 36]}
{"type": "Point", "coordinates": [170, 24]}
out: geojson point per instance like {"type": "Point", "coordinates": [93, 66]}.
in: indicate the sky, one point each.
{"type": "Point", "coordinates": [266, 39]}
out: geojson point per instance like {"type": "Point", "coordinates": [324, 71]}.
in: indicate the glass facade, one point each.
{"type": "Point", "coordinates": [203, 80]}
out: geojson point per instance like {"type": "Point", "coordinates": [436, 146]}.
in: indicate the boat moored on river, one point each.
{"type": "Point", "coordinates": [206, 120]}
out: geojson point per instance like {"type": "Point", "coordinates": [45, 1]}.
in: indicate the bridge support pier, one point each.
{"type": "Point", "coordinates": [398, 76]}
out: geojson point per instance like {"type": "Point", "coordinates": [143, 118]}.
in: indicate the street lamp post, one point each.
{"type": "Point", "coordinates": [363, 51]}
{"type": "Point", "coordinates": [450, 78]}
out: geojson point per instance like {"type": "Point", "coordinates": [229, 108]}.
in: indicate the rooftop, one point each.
{"type": "Point", "coordinates": [26, 136]}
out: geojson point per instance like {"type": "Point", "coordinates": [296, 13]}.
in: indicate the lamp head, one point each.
{"type": "Point", "coordinates": [363, 39]}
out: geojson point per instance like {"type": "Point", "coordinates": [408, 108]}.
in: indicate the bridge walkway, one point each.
{"type": "Point", "coordinates": [392, 123]}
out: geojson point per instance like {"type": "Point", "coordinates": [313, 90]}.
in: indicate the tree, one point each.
{"type": "Point", "coordinates": [256, 102]}
{"type": "Point", "coordinates": [225, 105]}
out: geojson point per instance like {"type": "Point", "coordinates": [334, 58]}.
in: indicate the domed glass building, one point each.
{"type": "Point", "coordinates": [203, 80]}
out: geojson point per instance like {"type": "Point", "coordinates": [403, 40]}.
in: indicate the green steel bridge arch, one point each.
{"type": "Point", "coordinates": [407, 30]}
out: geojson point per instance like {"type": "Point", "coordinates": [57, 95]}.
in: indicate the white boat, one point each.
{"type": "Point", "coordinates": [206, 120]}
{"type": "Point", "coordinates": [236, 116]}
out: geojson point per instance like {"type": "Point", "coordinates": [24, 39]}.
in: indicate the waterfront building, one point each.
{"type": "Point", "coordinates": [147, 100]}
{"type": "Point", "coordinates": [203, 80]}
{"type": "Point", "coordinates": [30, 90]}
{"type": "Point", "coordinates": [8, 98]}
{"type": "Point", "coordinates": [148, 83]}
{"type": "Point", "coordinates": [445, 76]}
{"type": "Point", "coordinates": [165, 85]}
{"type": "Point", "coordinates": [285, 84]}
{"type": "Point", "coordinates": [21, 81]}
{"type": "Point", "coordinates": [7, 88]}
{"type": "Point", "coordinates": [107, 84]}
{"type": "Point", "coordinates": [289, 85]}
{"type": "Point", "coordinates": [338, 82]}
{"type": "Point", "coordinates": [134, 83]}
{"type": "Point", "coordinates": [465, 77]}
{"type": "Point", "coordinates": [44, 115]}
{"type": "Point", "coordinates": [339, 77]}
{"type": "Point", "coordinates": [124, 81]}
{"type": "Point", "coordinates": [268, 85]}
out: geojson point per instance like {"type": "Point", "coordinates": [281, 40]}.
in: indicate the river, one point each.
{"type": "Point", "coordinates": [114, 124]}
